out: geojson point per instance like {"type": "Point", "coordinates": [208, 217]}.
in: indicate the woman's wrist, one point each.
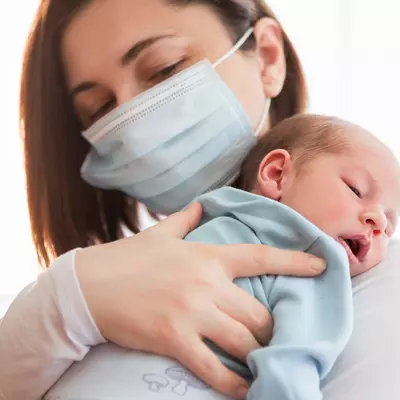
{"type": "Point", "coordinates": [79, 323]}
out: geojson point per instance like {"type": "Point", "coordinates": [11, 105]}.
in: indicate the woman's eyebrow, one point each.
{"type": "Point", "coordinates": [137, 48]}
{"type": "Point", "coordinates": [128, 57]}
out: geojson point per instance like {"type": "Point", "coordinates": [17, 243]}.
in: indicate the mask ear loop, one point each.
{"type": "Point", "coordinates": [233, 50]}
{"type": "Point", "coordinates": [263, 117]}
{"type": "Point", "coordinates": [235, 47]}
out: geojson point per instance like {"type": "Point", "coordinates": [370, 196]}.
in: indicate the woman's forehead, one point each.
{"type": "Point", "coordinates": [100, 34]}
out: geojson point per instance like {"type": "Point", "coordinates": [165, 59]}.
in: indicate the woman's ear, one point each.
{"type": "Point", "coordinates": [271, 55]}
{"type": "Point", "coordinates": [273, 173]}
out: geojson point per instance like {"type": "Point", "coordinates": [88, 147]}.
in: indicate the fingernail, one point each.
{"type": "Point", "coordinates": [242, 391]}
{"type": "Point", "coordinates": [317, 265]}
{"type": "Point", "coordinates": [188, 207]}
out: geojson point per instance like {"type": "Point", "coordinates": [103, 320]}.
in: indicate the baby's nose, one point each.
{"type": "Point", "coordinates": [376, 219]}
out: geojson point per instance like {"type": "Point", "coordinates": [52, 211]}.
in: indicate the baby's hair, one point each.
{"type": "Point", "coordinates": [304, 136]}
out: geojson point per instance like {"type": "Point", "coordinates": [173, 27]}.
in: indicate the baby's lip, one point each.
{"type": "Point", "coordinates": [357, 247]}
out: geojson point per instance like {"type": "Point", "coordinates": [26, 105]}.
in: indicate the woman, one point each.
{"type": "Point", "coordinates": [84, 60]}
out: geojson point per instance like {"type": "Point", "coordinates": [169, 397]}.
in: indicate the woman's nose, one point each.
{"type": "Point", "coordinates": [376, 219]}
{"type": "Point", "coordinates": [126, 91]}
{"type": "Point", "coordinates": [124, 96]}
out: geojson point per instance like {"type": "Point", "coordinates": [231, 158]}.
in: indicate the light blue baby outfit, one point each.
{"type": "Point", "coordinates": [312, 316]}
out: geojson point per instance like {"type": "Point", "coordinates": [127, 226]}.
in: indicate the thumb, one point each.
{"type": "Point", "coordinates": [181, 223]}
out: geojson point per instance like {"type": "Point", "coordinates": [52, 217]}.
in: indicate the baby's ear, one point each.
{"type": "Point", "coordinates": [272, 172]}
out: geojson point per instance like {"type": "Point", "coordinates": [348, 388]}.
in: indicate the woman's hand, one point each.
{"type": "Point", "coordinates": [158, 293]}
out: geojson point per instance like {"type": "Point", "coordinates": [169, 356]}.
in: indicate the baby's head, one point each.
{"type": "Point", "coordinates": [334, 173]}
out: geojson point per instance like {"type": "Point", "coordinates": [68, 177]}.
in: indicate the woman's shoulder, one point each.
{"type": "Point", "coordinates": [368, 368]}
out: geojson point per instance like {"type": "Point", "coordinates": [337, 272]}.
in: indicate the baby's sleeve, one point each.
{"type": "Point", "coordinates": [312, 324]}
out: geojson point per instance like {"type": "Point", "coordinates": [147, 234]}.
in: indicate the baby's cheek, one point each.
{"type": "Point", "coordinates": [331, 218]}
{"type": "Point", "coordinates": [319, 211]}
{"type": "Point", "coordinates": [381, 247]}
{"type": "Point", "coordinates": [335, 213]}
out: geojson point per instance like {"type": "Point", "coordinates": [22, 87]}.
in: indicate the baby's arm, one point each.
{"type": "Point", "coordinates": [313, 320]}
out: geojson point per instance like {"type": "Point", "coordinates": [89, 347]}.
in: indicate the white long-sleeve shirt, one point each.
{"type": "Point", "coordinates": [48, 326]}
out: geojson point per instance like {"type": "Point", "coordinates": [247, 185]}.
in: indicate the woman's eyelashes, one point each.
{"type": "Point", "coordinates": [101, 111]}
{"type": "Point", "coordinates": [167, 72]}
{"type": "Point", "coordinates": [158, 77]}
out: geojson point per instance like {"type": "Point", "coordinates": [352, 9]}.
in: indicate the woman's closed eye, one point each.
{"type": "Point", "coordinates": [160, 76]}
{"type": "Point", "coordinates": [101, 111]}
{"type": "Point", "coordinates": [167, 72]}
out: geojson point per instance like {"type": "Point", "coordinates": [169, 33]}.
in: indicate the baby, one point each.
{"type": "Point", "coordinates": [337, 175]}
{"type": "Point", "coordinates": [313, 183]}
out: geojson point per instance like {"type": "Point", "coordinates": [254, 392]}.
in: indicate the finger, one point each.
{"type": "Point", "coordinates": [244, 308]}
{"type": "Point", "coordinates": [199, 359]}
{"type": "Point", "coordinates": [181, 223]}
{"type": "Point", "coordinates": [231, 336]}
{"type": "Point", "coordinates": [252, 259]}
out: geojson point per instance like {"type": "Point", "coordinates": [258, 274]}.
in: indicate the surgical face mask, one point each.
{"type": "Point", "coordinates": [174, 142]}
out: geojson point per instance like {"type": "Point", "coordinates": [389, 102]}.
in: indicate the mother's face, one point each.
{"type": "Point", "coordinates": [115, 49]}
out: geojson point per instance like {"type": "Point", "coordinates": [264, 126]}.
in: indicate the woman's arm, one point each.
{"type": "Point", "coordinates": [152, 292]}
{"type": "Point", "coordinates": [370, 365]}
{"type": "Point", "coordinates": [46, 328]}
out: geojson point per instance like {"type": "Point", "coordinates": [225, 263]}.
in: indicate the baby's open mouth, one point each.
{"type": "Point", "coordinates": [357, 247]}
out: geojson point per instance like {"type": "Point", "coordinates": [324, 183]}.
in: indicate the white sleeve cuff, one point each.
{"type": "Point", "coordinates": [78, 322]}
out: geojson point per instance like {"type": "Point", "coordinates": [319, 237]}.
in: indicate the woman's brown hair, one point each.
{"type": "Point", "coordinates": [65, 212]}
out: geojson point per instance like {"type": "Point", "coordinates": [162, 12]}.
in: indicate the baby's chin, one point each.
{"type": "Point", "coordinates": [361, 267]}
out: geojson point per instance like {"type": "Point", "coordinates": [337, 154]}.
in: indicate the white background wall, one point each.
{"type": "Point", "coordinates": [351, 54]}
{"type": "Point", "coordinates": [18, 265]}
{"type": "Point", "coordinates": [350, 51]}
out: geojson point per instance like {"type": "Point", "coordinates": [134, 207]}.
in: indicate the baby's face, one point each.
{"type": "Point", "coordinates": [353, 197]}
